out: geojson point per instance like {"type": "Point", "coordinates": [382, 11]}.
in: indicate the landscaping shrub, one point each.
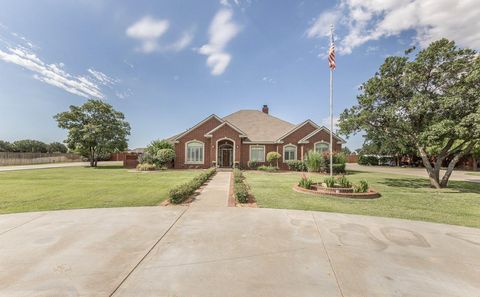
{"type": "Point", "coordinates": [339, 158]}
{"type": "Point", "coordinates": [157, 145]}
{"type": "Point", "coordinates": [297, 165]}
{"type": "Point", "coordinates": [146, 167]}
{"type": "Point", "coordinates": [273, 157]}
{"type": "Point", "coordinates": [337, 168]}
{"type": "Point", "coordinates": [267, 168]}
{"type": "Point", "coordinates": [314, 161]}
{"type": "Point", "coordinates": [362, 187]}
{"type": "Point", "coordinates": [367, 160]}
{"type": "Point", "coordinates": [344, 182]}
{"type": "Point", "coordinates": [305, 182]}
{"type": "Point", "coordinates": [252, 164]}
{"type": "Point", "coordinates": [329, 181]}
{"type": "Point", "coordinates": [185, 190]}
{"type": "Point", "coordinates": [164, 157]}
{"type": "Point", "coordinates": [241, 192]}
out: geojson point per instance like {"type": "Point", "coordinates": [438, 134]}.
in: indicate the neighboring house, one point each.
{"type": "Point", "coordinates": [248, 135]}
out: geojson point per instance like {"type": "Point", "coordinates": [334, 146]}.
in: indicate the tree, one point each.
{"type": "Point", "coordinates": [29, 146]}
{"type": "Point", "coordinates": [430, 103]}
{"type": "Point", "coordinates": [57, 147]}
{"type": "Point", "coordinates": [157, 145]}
{"type": "Point", "coordinates": [346, 151]}
{"type": "Point", "coordinates": [5, 146]}
{"type": "Point", "coordinates": [94, 129]}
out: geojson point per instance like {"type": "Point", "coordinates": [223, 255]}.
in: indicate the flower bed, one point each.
{"type": "Point", "coordinates": [320, 189]}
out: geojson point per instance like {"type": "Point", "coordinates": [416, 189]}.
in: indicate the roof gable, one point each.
{"type": "Point", "coordinates": [225, 123]}
{"type": "Point", "coordinates": [178, 136]}
{"type": "Point", "coordinates": [259, 126]}
{"type": "Point", "coordinates": [323, 128]}
{"type": "Point", "coordinates": [307, 122]}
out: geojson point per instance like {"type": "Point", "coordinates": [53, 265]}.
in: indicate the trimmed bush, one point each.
{"type": "Point", "coordinates": [241, 192]}
{"type": "Point", "coordinates": [164, 157]}
{"type": "Point", "coordinates": [237, 175]}
{"type": "Point", "coordinates": [146, 167]}
{"type": "Point", "coordinates": [305, 182]}
{"type": "Point", "coordinates": [273, 157]}
{"type": "Point", "coordinates": [253, 164]}
{"type": "Point", "coordinates": [367, 160]}
{"type": "Point", "coordinates": [337, 168]}
{"type": "Point", "coordinates": [344, 182]}
{"type": "Point", "coordinates": [362, 187]}
{"type": "Point", "coordinates": [157, 145]}
{"type": "Point", "coordinates": [329, 181]}
{"type": "Point", "coordinates": [297, 165]}
{"type": "Point", "coordinates": [314, 161]}
{"type": "Point", "coordinates": [267, 168]}
{"type": "Point", "coordinates": [185, 190]}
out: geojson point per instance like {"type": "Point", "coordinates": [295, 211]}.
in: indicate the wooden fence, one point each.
{"type": "Point", "coordinates": [7, 158]}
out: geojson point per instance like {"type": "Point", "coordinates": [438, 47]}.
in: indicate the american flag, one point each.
{"type": "Point", "coordinates": [331, 54]}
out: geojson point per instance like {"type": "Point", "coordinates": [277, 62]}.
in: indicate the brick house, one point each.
{"type": "Point", "coordinates": [248, 135]}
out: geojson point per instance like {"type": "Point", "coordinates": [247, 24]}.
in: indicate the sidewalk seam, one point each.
{"type": "Point", "coordinates": [148, 253]}
{"type": "Point", "coordinates": [23, 224]}
{"type": "Point", "coordinates": [328, 256]}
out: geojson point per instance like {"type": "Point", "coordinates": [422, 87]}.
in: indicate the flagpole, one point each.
{"type": "Point", "coordinates": [331, 109]}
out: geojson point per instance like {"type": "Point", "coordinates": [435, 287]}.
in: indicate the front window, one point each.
{"type": "Point", "coordinates": [257, 153]}
{"type": "Point", "coordinates": [289, 153]}
{"type": "Point", "coordinates": [195, 152]}
{"type": "Point", "coordinates": [321, 147]}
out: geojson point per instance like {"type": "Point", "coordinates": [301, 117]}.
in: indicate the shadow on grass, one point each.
{"type": "Point", "coordinates": [418, 183]}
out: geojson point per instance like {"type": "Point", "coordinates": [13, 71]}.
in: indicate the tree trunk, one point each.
{"type": "Point", "coordinates": [474, 165]}
{"type": "Point", "coordinates": [452, 164]}
{"type": "Point", "coordinates": [433, 172]}
{"type": "Point", "coordinates": [92, 157]}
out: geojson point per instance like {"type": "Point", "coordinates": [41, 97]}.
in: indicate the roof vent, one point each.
{"type": "Point", "coordinates": [265, 109]}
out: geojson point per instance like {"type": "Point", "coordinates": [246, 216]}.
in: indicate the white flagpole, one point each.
{"type": "Point", "coordinates": [331, 108]}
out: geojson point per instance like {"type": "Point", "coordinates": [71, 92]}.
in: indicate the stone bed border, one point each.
{"type": "Point", "coordinates": [371, 194]}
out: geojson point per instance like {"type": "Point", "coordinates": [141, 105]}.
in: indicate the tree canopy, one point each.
{"type": "Point", "coordinates": [430, 103]}
{"type": "Point", "coordinates": [95, 129]}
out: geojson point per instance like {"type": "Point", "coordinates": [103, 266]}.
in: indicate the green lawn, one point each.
{"type": "Point", "coordinates": [403, 197]}
{"type": "Point", "coordinates": [79, 187]}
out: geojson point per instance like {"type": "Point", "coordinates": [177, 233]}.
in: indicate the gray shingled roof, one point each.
{"type": "Point", "coordinates": [258, 125]}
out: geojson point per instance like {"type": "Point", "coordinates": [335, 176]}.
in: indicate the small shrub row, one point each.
{"type": "Point", "coordinates": [185, 190]}
{"type": "Point", "coordinates": [253, 164]}
{"type": "Point", "coordinates": [267, 168]}
{"type": "Point", "coordinates": [343, 182]}
{"type": "Point", "coordinates": [146, 167]}
{"type": "Point", "coordinates": [297, 165]}
{"type": "Point", "coordinates": [240, 189]}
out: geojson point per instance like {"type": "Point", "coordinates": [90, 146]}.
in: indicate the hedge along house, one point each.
{"type": "Point", "coordinates": [248, 135]}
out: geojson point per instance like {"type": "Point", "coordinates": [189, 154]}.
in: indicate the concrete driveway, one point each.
{"type": "Point", "coordinates": [421, 172]}
{"type": "Point", "coordinates": [221, 251]}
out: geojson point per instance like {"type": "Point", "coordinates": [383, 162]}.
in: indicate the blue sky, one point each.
{"type": "Point", "coordinates": [169, 64]}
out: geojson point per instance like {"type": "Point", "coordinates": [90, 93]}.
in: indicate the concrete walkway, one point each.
{"type": "Point", "coordinates": [215, 194]}
{"type": "Point", "coordinates": [227, 251]}
{"type": "Point", "coordinates": [55, 165]}
{"type": "Point", "coordinates": [420, 172]}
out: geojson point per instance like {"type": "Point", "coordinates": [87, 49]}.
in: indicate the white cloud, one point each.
{"type": "Point", "coordinates": [269, 80]}
{"type": "Point", "coordinates": [430, 20]}
{"type": "Point", "coordinates": [148, 30]}
{"type": "Point", "coordinates": [222, 30]}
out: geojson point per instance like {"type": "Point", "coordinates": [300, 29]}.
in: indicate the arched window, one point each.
{"type": "Point", "coordinates": [321, 147]}
{"type": "Point", "coordinates": [289, 152]}
{"type": "Point", "coordinates": [194, 152]}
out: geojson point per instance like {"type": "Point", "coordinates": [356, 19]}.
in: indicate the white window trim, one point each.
{"type": "Point", "coordinates": [186, 152]}
{"type": "Point", "coordinates": [294, 154]}
{"type": "Point", "coordinates": [216, 150]}
{"type": "Point", "coordinates": [321, 141]}
{"type": "Point", "coordinates": [250, 152]}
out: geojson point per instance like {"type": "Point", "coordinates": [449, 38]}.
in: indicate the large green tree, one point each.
{"type": "Point", "coordinates": [431, 103]}
{"type": "Point", "coordinates": [94, 129]}
{"type": "Point", "coordinates": [30, 146]}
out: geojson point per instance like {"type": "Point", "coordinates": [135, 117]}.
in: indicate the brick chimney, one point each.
{"type": "Point", "coordinates": [265, 109]}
